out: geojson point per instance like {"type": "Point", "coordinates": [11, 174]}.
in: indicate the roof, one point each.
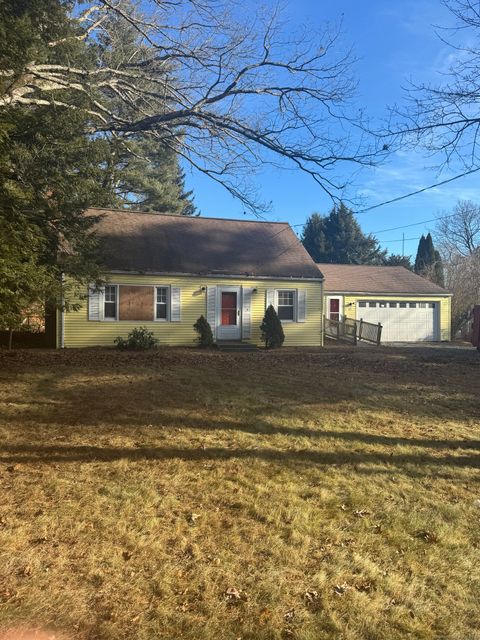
{"type": "Point", "coordinates": [162, 243]}
{"type": "Point", "coordinates": [359, 278]}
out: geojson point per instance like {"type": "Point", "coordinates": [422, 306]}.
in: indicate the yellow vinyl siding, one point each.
{"type": "Point", "coordinates": [81, 332]}
{"type": "Point", "coordinates": [443, 301]}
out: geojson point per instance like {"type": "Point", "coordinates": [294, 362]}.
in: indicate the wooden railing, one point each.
{"type": "Point", "coordinates": [350, 330]}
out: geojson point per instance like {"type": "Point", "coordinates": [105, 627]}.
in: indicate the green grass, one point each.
{"type": "Point", "coordinates": [335, 492]}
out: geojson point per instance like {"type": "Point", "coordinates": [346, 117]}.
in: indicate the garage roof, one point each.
{"type": "Point", "coordinates": [163, 243]}
{"type": "Point", "coordinates": [359, 278]}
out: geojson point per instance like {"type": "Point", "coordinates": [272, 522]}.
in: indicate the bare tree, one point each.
{"type": "Point", "coordinates": [228, 92]}
{"type": "Point", "coordinates": [458, 233]}
{"type": "Point", "coordinates": [463, 280]}
{"type": "Point", "coordinates": [444, 117]}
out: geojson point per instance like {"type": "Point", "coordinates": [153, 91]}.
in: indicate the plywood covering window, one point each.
{"type": "Point", "coordinates": [136, 303]}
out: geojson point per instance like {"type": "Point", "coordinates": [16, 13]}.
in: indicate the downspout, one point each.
{"type": "Point", "coordinates": [62, 318]}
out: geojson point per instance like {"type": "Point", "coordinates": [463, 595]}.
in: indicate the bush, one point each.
{"type": "Point", "coordinates": [272, 330]}
{"type": "Point", "coordinates": [139, 339]}
{"type": "Point", "coordinates": [204, 330]}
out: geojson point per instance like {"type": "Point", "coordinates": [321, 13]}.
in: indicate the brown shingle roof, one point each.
{"type": "Point", "coordinates": [354, 278]}
{"type": "Point", "coordinates": [158, 243]}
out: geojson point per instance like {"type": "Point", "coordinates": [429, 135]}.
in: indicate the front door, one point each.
{"type": "Point", "coordinates": [334, 310]}
{"type": "Point", "coordinates": [228, 319]}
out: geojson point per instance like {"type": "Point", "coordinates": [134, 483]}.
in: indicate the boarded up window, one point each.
{"type": "Point", "coordinates": [136, 303]}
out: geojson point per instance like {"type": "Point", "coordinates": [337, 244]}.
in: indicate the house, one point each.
{"type": "Point", "coordinates": [164, 271]}
{"type": "Point", "coordinates": [409, 307]}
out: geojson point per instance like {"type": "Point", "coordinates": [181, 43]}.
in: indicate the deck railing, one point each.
{"type": "Point", "coordinates": [350, 330]}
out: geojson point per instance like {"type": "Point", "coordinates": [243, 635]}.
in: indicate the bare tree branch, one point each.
{"type": "Point", "coordinates": [229, 93]}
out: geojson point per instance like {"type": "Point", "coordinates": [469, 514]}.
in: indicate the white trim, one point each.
{"type": "Point", "coordinates": [169, 293]}
{"type": "Point", "coordinates": [295, 304]}
{"type": "Point", "coordinates": [117, 303]}
{"type": "Point", "coordinates": [340, 306]}
{"type": "Point", "coordinates": [218, 315]}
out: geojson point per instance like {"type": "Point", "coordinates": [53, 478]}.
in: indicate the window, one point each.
{"type": "Point", "coordinates": [161, 304]}
{"type": "Point", "coordinates": [286, 305]}
{"type": "Point", "coordinates": [382, 304]}
{"type": "Point", "coordinates": [412, 305]}
{"type": "Point", "coordinates": [431, 305]}
{"type": "Point", "coordinates": [422, 305]}
{"type": "Point", "coordinates": [362, 303]}
{"type": "Point", "coordinates": [110, 309]}
{"type": "Point", "coordinates": [392, 305]}
{"type": "Point", "coordinates": [402, 305]}
{"type": "Point", "coordinates": [372, 305]}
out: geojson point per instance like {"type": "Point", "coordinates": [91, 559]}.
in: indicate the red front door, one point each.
{"type": "Point", "coordinates": [334, 309]}
{"type": "Point", "coordinates": [229, 308]}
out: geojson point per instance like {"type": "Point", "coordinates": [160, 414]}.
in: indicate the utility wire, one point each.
{"type": "Point", "coordinates": [414, 193]}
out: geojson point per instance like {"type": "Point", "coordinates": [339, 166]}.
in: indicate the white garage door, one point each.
{"type": "Point", "coordinates": [402, 321]}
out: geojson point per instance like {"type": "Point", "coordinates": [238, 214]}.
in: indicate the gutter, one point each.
{"type": "Point", "coordinates": [389, 294]}
{"type": "Point", "coordinates": [241, 276]}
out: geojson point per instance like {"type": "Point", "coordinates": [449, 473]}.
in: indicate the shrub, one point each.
{"type": "Point", "coordinates": [139, 339]}
{"type": "Point", "coordinates": [204, 330]}
{"type": "Point", "coordinates": [272, 330]}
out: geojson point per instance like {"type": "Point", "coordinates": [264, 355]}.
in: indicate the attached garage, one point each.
{"type": "Point", "coordinates": [402, 321]}
{"type": "Point", "coordinates": [409, 308]}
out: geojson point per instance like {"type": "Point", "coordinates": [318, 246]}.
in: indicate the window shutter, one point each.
{"type": "Point", "coordinates": [270, 298]}
{"type": "Point", "coordinates": [212, 308]}
{"type": "Point", "coordinates": [246, 312]}
{"type": "Point", "coordinates": [95, 303]}
{"type": "Point", "coordinates": [175, 310]}
{"type": "Point", "coordinates": [301, 305]}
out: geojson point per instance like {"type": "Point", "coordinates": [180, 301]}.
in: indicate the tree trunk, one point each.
{"type": "Point", "coordinates": [10, 339]}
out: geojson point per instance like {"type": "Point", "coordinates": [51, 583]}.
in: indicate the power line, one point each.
{"type": "Point", "coordinates": [414, 193]}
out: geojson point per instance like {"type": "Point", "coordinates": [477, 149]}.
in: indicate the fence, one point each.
{"type": "Point", "coordinates": [350, 330]}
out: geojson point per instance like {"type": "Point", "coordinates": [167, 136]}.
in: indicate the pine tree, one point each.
{"type": "Point", "coordinates": [438, 274]}
{"type": "Point", "coordinates": [396, 260]}
{"type": "Point", "coordinates": [143, 172]}
{"type": "Point", "coordinates": [421, 255]}
{"type": "Point", "coordinates": [428, 262]}
{"type": "Point", "coordinates": [272, 330]}
{"type": "Point", "coordinates": [338, 238]}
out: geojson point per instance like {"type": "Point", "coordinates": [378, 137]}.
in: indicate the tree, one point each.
{"type": "Point", "coordinates": [226, 90]}
{"type": "Point", "coordinates": [462, 279]}
{"type": "Point", "coordinates": [338, 238]}
{"type": "Point", "coordinates": [443, 116]}
{"type": "Point", "coordinates": [272, 330]}
{"type": "Point", "coordinates": [396, 260]}
{"type": "Point", "coordinates": [143, 172]}
{"type": "Point", "coordinates": [458, 232]}
{"type": "Point", "coordinates": [428, 262]}
{"type": "Point", "coordinates": [23, 284]}
{"type": "Point", "coordinates": [204, 330]}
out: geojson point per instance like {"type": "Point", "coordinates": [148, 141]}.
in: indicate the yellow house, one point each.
{"type": "Point", "coordinates": [409, 308]}
{"type": "Point", "coordinates": [165, 271]}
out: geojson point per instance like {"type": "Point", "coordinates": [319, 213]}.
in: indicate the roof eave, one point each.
{"type": "Point", "coordinates": [343, 292]}
{"type": "Point", "coordinates": [182, 274]}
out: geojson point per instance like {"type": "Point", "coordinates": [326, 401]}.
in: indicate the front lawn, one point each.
{"type": "Point", "coordinates": [200, 495]}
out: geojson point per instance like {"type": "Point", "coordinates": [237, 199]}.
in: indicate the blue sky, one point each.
{"type": "Point", "coordinates": [393, 42]}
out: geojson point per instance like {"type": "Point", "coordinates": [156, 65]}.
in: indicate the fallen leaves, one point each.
{"type": "Point", "coordinates": [426, 536]}
{"type": "Point", "coordinates": [341, 589]}
{"type": "Point", "coordinates": [234, 595]}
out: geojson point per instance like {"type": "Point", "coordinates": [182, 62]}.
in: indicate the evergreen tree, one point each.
{"type": "Point", "coordinates": [438, 273]}
{"type": "Point", "coordinates": [428, 262]}
{"type": "Point", "coordinates": [272, 330]}
{"type": "Point", "coordinates": [396, 260]}
{"type": "Point", "coordinates": [143, 172]}
{"type": "Point", "coordinates": [52, 169]}
{"type": "Point", "coordinates": [338, 238]}
{"type": "Point", "coordinates": [420, 257]}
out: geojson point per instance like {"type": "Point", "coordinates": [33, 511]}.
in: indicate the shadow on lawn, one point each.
{"type": "Point", "coordinates": [49, 454]}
